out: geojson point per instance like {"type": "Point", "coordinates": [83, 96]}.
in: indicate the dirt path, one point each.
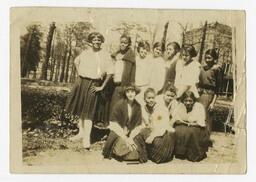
{"type": "Point", "coordinates": [223, 151]}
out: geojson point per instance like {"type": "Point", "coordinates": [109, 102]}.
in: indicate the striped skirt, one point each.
{"type": "Point", "coordinates": [162, 148]}
{"type": "Point", "coordinates": [82, 101]}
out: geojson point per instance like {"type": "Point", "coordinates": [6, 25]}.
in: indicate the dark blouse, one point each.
{"type": "Point", "coordinates": [210, 78]}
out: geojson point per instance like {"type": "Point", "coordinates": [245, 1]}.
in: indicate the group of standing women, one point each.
{"type": "Point", "coordinates": [156, 106]}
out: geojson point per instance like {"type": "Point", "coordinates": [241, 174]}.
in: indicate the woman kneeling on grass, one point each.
{"type": "Point", "coordinates": [124, 143]}
{"type": "Point", "coordinates": [158, 132]}
{"type": "Point", "coordinates": [192, 138]}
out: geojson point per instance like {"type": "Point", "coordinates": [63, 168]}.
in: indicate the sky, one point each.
{"type": "Point", "coordinates": [105, 19]}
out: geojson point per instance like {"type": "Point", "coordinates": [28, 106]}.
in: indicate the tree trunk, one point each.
{"type": "Point", "coordinates": [52, 68]}
{"type": "Point", "coordinates": [68, 61]}
{"type": "Point", "coordinates": [53, 60]}
{"type": "Point", "coordinates": [24, 66]}
{"type": "Point", "coordinates": [57, 71]}
{"type": "Point", "coordinates": [164, 36]}
{"type": "Point", "coordinates": [63, 66]}
{"type": "Point", "coordinates": [71, 79]}
{"type": "Point", "coordinates": [202, 43]}
{"type": "Point", "coordinates": [34, 75]}
{"type": "Point", "coordinates": [48, 52]}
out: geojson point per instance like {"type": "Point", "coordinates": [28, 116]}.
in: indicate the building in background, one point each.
{"type": "Point", "coordinates": [219, 36]}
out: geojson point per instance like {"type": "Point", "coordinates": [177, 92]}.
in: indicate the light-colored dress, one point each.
{"type": "Point", "coordinates": [157, 74]}
{"type": "Point", "coordinates": [142, 77]}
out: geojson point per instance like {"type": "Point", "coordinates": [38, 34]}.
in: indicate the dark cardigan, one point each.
{"type": "Point", "coordinates": [128, 75]}
{"type": "Point", "coordinates": [120, 115]}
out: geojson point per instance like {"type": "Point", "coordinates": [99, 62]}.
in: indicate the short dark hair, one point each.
{"type": "Point", "coordinates": [175, 45]}
{"type": "Point", "coordinates": [149, 90]}
{"type": "Point", "coordinates": [144, 45]}
{"type": "Point", "coordinates": [170, 87]}
{"type": "Point", "coordinates": [190, 49]}
{"type": "Point", "coordinates": [157, 44]}
{"type": "Point", "coordinates": [213, 53]}
{"type": "Point", "coordinates": [188, 94]}
{"type": "Point", "coordinates": [95, 34]}
{"type": "Point", "coordinates": [127, 37]}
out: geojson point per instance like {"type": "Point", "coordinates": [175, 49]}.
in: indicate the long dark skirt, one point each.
{"type": "Point", "coordinates": [191, 142]}
{"type": "Point", "coordinates": [118, 94]}
{"type": "Point", "coordinates": [162, 148]}
{"type": "Point", "coordinates": [110, 149]}
{"type": "Point", "coordinates": [205, 99]}
{"type": "Point", "coordinates": [103, 106]}
{"type": "Point", "coordinates": [82, 101]}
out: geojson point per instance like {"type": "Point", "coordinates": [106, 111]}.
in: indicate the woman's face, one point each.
{"type": "Point", "coordinates": [157, 51]}
{"type": "Point", "coordinates": [169, 96]}
{"type": "Point", "coordinates": [150, 99]}
{"type": "Point", "coordinates": [170, 51]}
{"type": "Point", "coordinates": [209, 60]}
{"type": "Point", "coordinates": [186, 57]}
{"type": "Point", "coordinates": [142, 52]}
{"type": "Point", "coordinates": [124, 43]}
{"type": "Point", "coordinates": [130, 94]}
{"type": "Point", "coordinates": [96, 43]}
{"type": "Point", "coordinates": [188, 102]}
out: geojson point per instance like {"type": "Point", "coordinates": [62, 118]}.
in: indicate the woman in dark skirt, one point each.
{"type": "Point", "coordinates": [124, 68]}
{"type": "Point", "coordinates": [123, 142]}
{"type": "Point", "coordinates": [92, 66]}
{"type": "Point", "coordinates": [192, 138]}
{"type": "Point", "coordinates": [158, 132]}
{"type": "Point", "coordinates": [209, 83]}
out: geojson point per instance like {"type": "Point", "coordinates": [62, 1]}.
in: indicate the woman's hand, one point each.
{"type": "Point", "coordinates": [97, 89]}
{"type": "Point", "coordinates": [150, 139]}
{"type": "Point", "coordinates": [130, 143]}
{"type": "Point", "coordinates": [211, 106]}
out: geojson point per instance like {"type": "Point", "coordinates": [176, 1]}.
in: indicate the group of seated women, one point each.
{"type": "Point", "coordinates": [161, 128]}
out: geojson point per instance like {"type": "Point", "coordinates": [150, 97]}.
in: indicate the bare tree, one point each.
{"type": "Point", "coordinates": [48, 51]}
{"type": "Point", "coordinates": [201, 52]}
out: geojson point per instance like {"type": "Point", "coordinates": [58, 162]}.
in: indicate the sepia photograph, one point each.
{"type": "Point", "coordinates": [104, 90]}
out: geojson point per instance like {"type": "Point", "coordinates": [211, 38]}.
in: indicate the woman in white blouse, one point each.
{"type": "Point", "coordinates": [192, 138]}
{"type": "Point", "coordinates": [92, 66]}
{"type": "Point", "coordinates": [187, 72]}
{"type": "Point", "coordinates": [158, 69]}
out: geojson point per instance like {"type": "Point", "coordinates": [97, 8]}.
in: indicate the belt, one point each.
{"type": "Point", "coordinates": [185, 124]}
{"type": "Point", "coordinates": [117, 83]}
{"type": "Point", "coordinates": [207, 87]}
{"type": "Point", "coordinates": [93, 79]}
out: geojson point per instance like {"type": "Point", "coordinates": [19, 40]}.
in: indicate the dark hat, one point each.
{"type": "Point", "coordinates": [94, 35]}
{"type": "Point", "coordinates": [132, 86]}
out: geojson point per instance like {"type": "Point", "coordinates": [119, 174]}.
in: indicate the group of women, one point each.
{"type": "Point", "coordinates": [156, 106]}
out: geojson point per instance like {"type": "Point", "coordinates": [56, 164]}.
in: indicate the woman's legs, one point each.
{"type": "Point", "coordinates": [87, 133]}
{"type": "Point", "coordinates": [81, 131]}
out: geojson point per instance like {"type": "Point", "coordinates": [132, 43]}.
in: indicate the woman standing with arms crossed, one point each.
{"type": "Point", "coordinates": [91, 65]}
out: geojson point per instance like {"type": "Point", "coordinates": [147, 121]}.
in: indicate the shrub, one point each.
{"type": "Point", "coordinates": [40, 107]}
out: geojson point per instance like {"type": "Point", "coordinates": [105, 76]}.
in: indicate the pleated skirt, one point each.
{"type": "Point", "coordinates": [162, 148]}
{"type": "Point", "coordinates": [82, 101]}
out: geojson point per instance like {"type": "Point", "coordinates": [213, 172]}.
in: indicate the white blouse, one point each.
{"type": "Point", "coordinates": [187, 75]}
{"type": "Point", "coordinates": [94, 65]}
{"type": "Point", "coordinates": [119, 67]}
{"type": "Point", "coordinates": [197, 115]}
{"type": "Point", "coordinates": [157, 74]}
{"type": "Point", "coordinates": [142, 74]}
